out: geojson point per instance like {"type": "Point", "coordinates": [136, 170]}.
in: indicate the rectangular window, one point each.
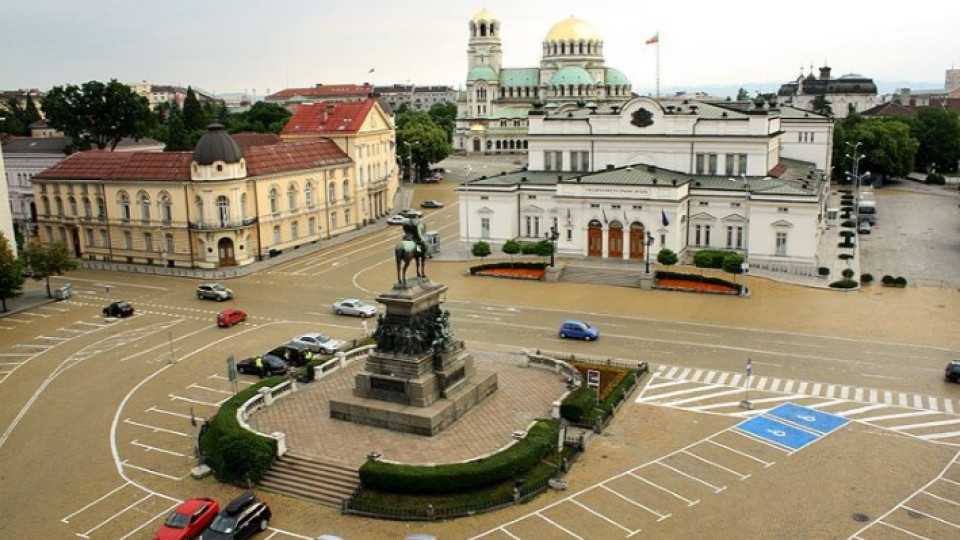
{"type": "Point", "coordinates": [585, 161]}
{"type": "Point", "coordinates": [485, 228]}
{"type": "Point", "coordinates": [558, 157]}
{"type": "Point", "coordinates": [743, 164]}
{"type": "Point", "coordinates": [701, 160]}
{"type": "Point", "coordinates": [295, 230]}
{"type": "Point", "coordinates": [484, 198]}
{"type": "Point", "coordinates": [781, 243]}
{"type": "Point", "coordinates": [127, 240]}
{"type": "Point", "coordinates": [346, 216]}
{"type": "Point", "coordinates": [531, 196]}
{"type": "Point", "coordinates": [696, 235]}
{"type": "Point", "coordinates": [735, 205]}
{"type": "Point", "coordinates": [637, 207]}
{"type": "Point", "coordinates": [663, 239]}
{"type": "Point", "coordinates": [147, 242]}
{"type": "Point", "coordinates": [536, 226]}
{"type": "Point", "coordinates": [277, 237]}
{"type": "Point", "coordinates": [104, 238]}
{"type": "Point", "coordinates": [729, 163]}
{"type": "Point", "coordinates": [169, 243]}
{"type": "Point", "coordinates": [739, 237]}
{"type": "Point", "coordinates": [704, 203]}
{"type": "Point", "coordinates": [569, 235]}
{"type": "Point", "coordinates": [713, 164]}
{"type": "Point", "coordinates": [706, 235]}
{"type": "Point", "coordinates": [527, 223]}
{"type": "Point", "coordinates": [548, 161]}
{"type": "Point", "coordinates": [729, 237]}
{"type": "Point", "coordinates": [89, 235]}
{"type": "Point", "coordinates": [783, 210]}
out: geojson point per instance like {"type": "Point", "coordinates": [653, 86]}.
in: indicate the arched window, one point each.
{"type": "Point", "coordinates": [292, 197]}
{"type": "Point", "coordinates": [144, 201]}
{"type": "Point", "coordinates": [168, 244]}
{"type": "Point", "coordinates": [274, 200]}
{"type": "Point", "coordinates": [101, 208]}
{"type": "Point", "coordinates": [332, 193]}
{"type": "Point", "coordinates": [166, 207]}
{"type": "Point", "coordinates": [308, 193]}
{"type": "Point", "coordinates": [87, 208]}
{"type": "Point", "coordinates": [333, 220]}
{"type": "Point", "coordinates": [223, 210]}
{"type": "Point", "coordinates": [59, 203]}
{"type": "Point", "coordinates": [45, 203]}
{"type": "Point", "coordinates": [198, 202]}
{"type": "Point", "coordinates": [124, 205]}
{"type": "Point", "coordinates": [243, 206]}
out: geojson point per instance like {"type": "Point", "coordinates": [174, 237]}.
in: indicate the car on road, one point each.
{"type": "Point", "coordinates": [578, 329]}
{"type": "Point", "coordinates": [352, 306]}
{"type": "Point", "coordinates": [214, 291]}
{"type": "Point", "coordinates": [411, 213]}
{"type": "Point", "coordinates": [318, 342]}
{"type": "Point", "coordinates": [952, 371]}
{"type": "Point", "coordinates": [864, 227]}
{"type": "Point", "coordinates": [188, 520]}
{"type": "Point", "coordinates": [396, 220]}
{"type": "Point", "coordinates": [292, 353]}
{"type": "Point", "coordinates": [242, 518]}
{"type": "Point", "coordinates": [230, 317]}
{"type": "Point", "coordinates": [431, 203]}
{"type": "Point", "coordinates": [272, 365]}
{"type": "Point", "coordinates": [118, 310]}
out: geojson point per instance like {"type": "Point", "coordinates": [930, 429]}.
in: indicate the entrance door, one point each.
{"type": "Point", "coordinates": [75, 236]}
{"type": "Point", "coordinates": [636, 240]}
{"type": "Point", "coordinates": [594, 239]}
{"type": "Point", "coordinates": [476, 145]}
{"type": "Point", "coordinates": [615, 240]}
{"type": "Point", "coordinates": [225, 248]}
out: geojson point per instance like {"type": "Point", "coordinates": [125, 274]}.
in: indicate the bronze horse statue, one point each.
{"type": "Point", "coordinates": [411, 248]}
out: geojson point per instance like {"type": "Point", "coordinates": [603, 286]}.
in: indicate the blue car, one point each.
{"type": "Point", "coordinates": [575, 328]}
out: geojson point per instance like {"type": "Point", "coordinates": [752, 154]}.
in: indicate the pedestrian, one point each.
{"type": "Point", "coordinates": [307, 356]}
{"type": "Point", "coordinates": [260, 369]}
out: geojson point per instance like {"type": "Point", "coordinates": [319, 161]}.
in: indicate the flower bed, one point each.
{"type": "Point", "coordinates": [694, 286]}
{"type": "Point", "coordinates": [513, 273]}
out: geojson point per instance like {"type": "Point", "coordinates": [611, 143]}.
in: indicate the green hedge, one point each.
{"type": "Point", "coordinates": [482, 267]}
{"type": "Point", "coordinates": [710, 258]}
{"type": "Point", "coordinates": [454, 477]}
{"type": "Point", "coordinates": [935, 179]}
{"type": "Point", "coordinates": [235, 454]}
{"type": "Point", "coordinates": [578, 407]}
{"type": "Point", "coordinates": [866, 278]}
{"type": "Point", "coordinates": [663, 274]}
{"type": "Point", "coordinates": [844, 284]}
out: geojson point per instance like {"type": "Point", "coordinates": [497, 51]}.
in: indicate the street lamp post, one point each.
{"type": "Point", "coordinates": [466, 199]}
{"type": "Point", "coordinates": [856, 157]}
{"type": "Point", "coordinates": [648, 243]}
{"type": "Point", "coordinates": [553, 235]}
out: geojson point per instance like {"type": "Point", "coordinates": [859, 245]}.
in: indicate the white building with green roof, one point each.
{"type": "Point", "coordinates": [492, 111]}
{"type": "Point", "coordinates": [616, 180]}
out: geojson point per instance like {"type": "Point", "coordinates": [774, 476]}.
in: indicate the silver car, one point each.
{"type": "Point", "coordinates": [214, 291]}
{"type": "Point", "coordinates": [318, 342]}
{"type": "Point", "coordinates": [352, 306]}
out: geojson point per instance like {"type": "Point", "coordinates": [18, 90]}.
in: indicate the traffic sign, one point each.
{"type": "Point", "coordinates": [593, 378]}
{"type": "Point", "coordinates": [231, 369]}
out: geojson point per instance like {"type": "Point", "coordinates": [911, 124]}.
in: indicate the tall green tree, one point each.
{"type": "Point", "coordinates": [938, 132]}
{"type": "Point", "coordinates": [887, 145]}
{"type": "Point", "coordinates": [421, 140]}
{"type": "Point", "coordinates": [97, 114]}
{"type": "Point", "coordinates": [264, 118]}
{"type": "Point", "coordinates": [821, 105]}
{"type": "Point", "coordinates": [14, 118]}
{"type": "Point", "coordinates": [481, 249]}
{"type": "Point", "coordinates": [47, 260]}
{"type": "Point", "coordinates": [742, 94]}
{"type": "Point", "coordinates": [444, 114]}
{"type": "Point", "coordinates": [193, 114]}
{"type": "Point", "coordinates": [11, 273]}
{"type": "Point", "coordinates": [30, 111]}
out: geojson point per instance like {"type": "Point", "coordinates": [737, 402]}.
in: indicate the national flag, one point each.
{"type": "Point", "coordinates": [663, 218]}
{"type": "Point", "coordinates": [371, 70]}
{"type": "Point", "coordinates": [654, 39]}
{"type": "Point", "coordinates": [604, 214]}
{"type": "Point", "coordinates": [568, 215]}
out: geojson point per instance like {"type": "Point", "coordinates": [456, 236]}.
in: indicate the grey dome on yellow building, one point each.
{"type": "Point", "coordinates": [216, 145]}
{"type": "Point", "coordinates": [573, 29]}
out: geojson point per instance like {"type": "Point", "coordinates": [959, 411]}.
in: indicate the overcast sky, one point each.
{"type": "Point", "coordinates": [226, 46]}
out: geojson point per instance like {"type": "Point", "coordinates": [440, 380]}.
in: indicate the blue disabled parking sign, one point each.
{"type": "Point", "coordinates": [777, 432]}
{"type": "Point", "coordinates": [811, 419]}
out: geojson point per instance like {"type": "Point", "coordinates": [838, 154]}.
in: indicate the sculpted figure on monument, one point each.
{"type": "Point", "coordinates": [412, 247]}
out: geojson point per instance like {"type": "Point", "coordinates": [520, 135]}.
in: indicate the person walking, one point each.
{"type": "Point", "coordinates": [259, 365]}
{"type": "Point", "coordinates": [307, 356]}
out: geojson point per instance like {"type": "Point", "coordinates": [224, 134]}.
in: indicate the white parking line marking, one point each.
{"type": "Point", "coordinates": [927, 424]}
{"type": "Point", "coordinates": [175, 397]}
{"type": "Point", "coordinates": [557, 525]}
{"type": "Point", "coordinates": [111, 518]}
{"type": "Point", "coordinates": [665, 384]}
{"type": "Point", "coordinates": [635, 503]}
{"type": "Point", "coordinates": [29, 314]}
{"type": "Point", "coordinates": [118, 488]}
{"type": "Point", "coordinates": [717, 465]}
{"type": "Point", "coordinates": [892, 416]}
{"type": "Point", "coordinates": [904, 531]}
{"type": "Point", "coordinates": [54, 338]}
{"type": "Point", "coordinates": [933, 517]}
{"type": "Point", "coordinates": [167, 476]}
{"type": "Point", "coordinates": [171, 413]}
{"type": "Point", "coordinates": [863, 409]}
{"type": "Point", "coordinates": [208, 389]}
{"type": "Point", "coordinates": [706, 396]}
{"type": "Point", "coordinates": [149, 448]}
{"type": "Point", "coordinates": [11, 319]}
{"type": "Point", "coordinates": [599, 515]}
{"type": "Point", "coordinates": [744, 454]}
{"type": "Point", "coordinates": [938, 436]}
{"type": "Point", "coordinates": [155, 428]}
{"type": "Point", "coordinates": [694, 478]}
{"type": "Point", "coordinates": [149, 521]}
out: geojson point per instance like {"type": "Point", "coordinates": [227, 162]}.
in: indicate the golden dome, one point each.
{"type": "Point", "coordinates": [483, 15]}
{"type": "Point", "coordinates": [573, 29]}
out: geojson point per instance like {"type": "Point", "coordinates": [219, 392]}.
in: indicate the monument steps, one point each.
{"type": "Point", "coordinates": [310, 478]}
{"type": "Point", "coordinates": [625, 276]}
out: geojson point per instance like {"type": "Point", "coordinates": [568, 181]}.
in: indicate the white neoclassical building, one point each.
{"type": "Point", "coordinates": [617, 180]}
{"type": "Point", "coordinates": [492, 111]}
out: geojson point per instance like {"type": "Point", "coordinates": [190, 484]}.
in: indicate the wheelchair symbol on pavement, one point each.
{"type": "Point", "coordinates": [777, 432]}
{"type": "Point", "coordinates": [807, 417]}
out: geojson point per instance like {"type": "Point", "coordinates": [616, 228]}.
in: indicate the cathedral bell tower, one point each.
{"type": "Point", "coordinates": [484, 47]}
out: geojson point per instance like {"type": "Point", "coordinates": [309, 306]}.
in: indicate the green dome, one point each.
{"type": "Point", "coordinates": [571, 75]}
{"type": "Point", "coordinates": [615, 76]}
{"type": "Point", "coordinates": [482, 73]}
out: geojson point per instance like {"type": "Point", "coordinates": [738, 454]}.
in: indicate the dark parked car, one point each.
{"type": "Point", "coordinates": [188, 520]}
{"type": "Point", "coordinates": [294, 354]}
{"type": "Point", "coordinates": [118, 309]}
{"type": "Point", "coordinates": [431, 203]}
{"type": "Point", "coordinates": [952, 371]}
{"type": "Point", "coordinates": [273, 365]}
{"type": "Point", "coordinates": [242, 518]}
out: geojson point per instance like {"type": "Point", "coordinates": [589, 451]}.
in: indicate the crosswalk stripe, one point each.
{"type": "Point", "coordinates": [948, 406]}
{"type": "Point", "coordinates": [873, 396]}
{"type": "Point", "coordinates": [685, 373]}
{"type": "Point", "coordinates": [697, 374]}
{"type": "Point", "coordinates": [816, 389]}
{"type": "Point", "coordinates": [932, 401]}
{"type": "Point", "coordinates": [707, 396]}
{"type": "Point", "coordinates": [789, 386]}
{"type": "Point", "coordinates": [803, 388]}
{"type": "Point", "coordinates": [887, 396]}
{"type": "Point", "coordinates": [859, 410]}
{"type": "Point", "coordinates": [710, 376]}
{"type": "Point", "coordinates": [845, 392]}
{"type": "Point", "coordinates": [761, 383]}
{"type": "Point", "coordinates": [735, 380]}
{"type": "Point", "coordinates": [858, 394]}
{"type": "Point", "coordinates": [672, 373]}
{"type": "Point", "coordinates": [893, 416]}
{"type": "Point", "coordinates": [776, 385]}
{"type": "Point", "coordinates": [831, 391]}
{"type": "Point", "coordinates": [723, 377]}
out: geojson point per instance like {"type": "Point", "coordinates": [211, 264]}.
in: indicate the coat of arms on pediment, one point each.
{"type": "Point", "coordinates": [642, 118]}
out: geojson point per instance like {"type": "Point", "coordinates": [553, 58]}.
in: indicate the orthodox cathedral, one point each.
{"type": "Point", "coordinates": [492, 111]}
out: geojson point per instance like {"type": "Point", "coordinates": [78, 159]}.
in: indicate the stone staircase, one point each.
{"type": "Point", "coordinates": [617, 274]}
{"type": "Point", "coordinates": [311, 478]}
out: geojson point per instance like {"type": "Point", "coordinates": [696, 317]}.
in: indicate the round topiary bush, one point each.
{"type": "Point", "coordinates": [866, 279]}
{"type": "Point", "coordinates": [887, 279]}
{"type": "Point", "coordinates": [848, 224]}
{"type": "Point", "coordinates": [823, 271]}
{"type": "Point", "coordinates": [847, 273]}
{"type": "Point", "coordinates": [847, 244]}
{"type": "Point", "coordinates": [847, 234]}
{"type": "Point", "coordinates": [900, 281]}
{"type": "Point", "coordinates": [844, 284]}
{"type": "Point", "coordinates": [935, 179]}
{"type": "Point", "coordinates": [845, 256]}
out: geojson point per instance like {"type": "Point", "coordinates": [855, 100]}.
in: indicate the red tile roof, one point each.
{"type": "Point", "coordinates": [890, 109]}
{"type": "Point", "coordinates": [248, 139]}
{"type": "Point", "coordinates": [328, 118]}
{"type": "Point", "coordinates": [175, 166]}
{"type": "Point", "coordinates": [323, 91]}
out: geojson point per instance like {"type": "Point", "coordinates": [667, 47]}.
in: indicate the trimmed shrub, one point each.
{"type": "Point", "coordinates": [847, 244]}
{"type": "Point", "coordinates": [481, 249]}
{"type": "Point", "coordinates": [710, 258]}
{"type": "Point", "coordinates": [823, 271]}
{"type": "Point", "coordinates": [531, 265]}
{"type": "Point", "coordinates": [667, 257]}
{"type": "Point", "coordinates": [844, 284]}
{"type": "Point", "coordinates": [732, 263]}
{"type": "Point", "coordinates": [540, 441]}
{"type": "Point", "coordinates": [866, 279]}
{"type": "Point", "coordinates": [246, 456]}
{"type": "Point", "coordinates": [845, 256]}
{"type": "Point", "coordinates": [848, 223]}
{"type": "Point", "coordinates": [887, 279]}
{"type": "Point", "coordinates": [847, 273]}
{"type": "Point", "coordinates": [935, 179]}
{"type": "Point", "coordinates": [847, 234]}
{"type": "Point", "coordinates": [900, 281]}
{"type": "Point", "coordinates": [578, 406]}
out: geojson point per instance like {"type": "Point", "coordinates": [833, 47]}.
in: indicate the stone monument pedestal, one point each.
{"type": "Point", "coordinates": [418, 379]}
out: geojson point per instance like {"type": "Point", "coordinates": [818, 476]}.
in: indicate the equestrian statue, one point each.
{"type": "Point", "coordinates": [413, 246]}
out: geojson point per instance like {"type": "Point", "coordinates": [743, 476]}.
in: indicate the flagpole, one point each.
{"type": "Point", "coordinates": [658, 64]}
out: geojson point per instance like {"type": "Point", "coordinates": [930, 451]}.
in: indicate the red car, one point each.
{"type": "Point", "coordinates": [188, 520]}
{"type": "Point", "coordinates": [230, 317]}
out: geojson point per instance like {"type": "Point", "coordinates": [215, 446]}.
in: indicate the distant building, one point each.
{"type": "Point", "coordinates": [952, 79]}
{"type": "Point", "coordinates": [366, 133]}
{"type": "Point", "coordinates": [848, 93]}
{"type": "Point", "coordinates": [6, 218]}
{"type": "Point", "coordinates": [418, 98]}
{"type": "Point", "coordinates": [928, 98]}
{"type": "Point", "coordinates": [42, 130]}
{"type": "Point", "coordinates": [218, 206]}
{"type": "Point", "coordinates": [291, 98]}
{"type": "Point", "coordinates": [170, 94]}
{"type": "Point", "coordinates": [890, 109]}
{"type": "Point", "coordinates": [492, 111]}
{"type": "Point", "coordinates": [21, 97]}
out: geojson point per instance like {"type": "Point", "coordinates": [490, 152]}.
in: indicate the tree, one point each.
{"type": "Point", "coordinates": [262, 118]}
{"type": "Point", "coordinates": [97, 114]}
{"type": "Point", "coordinates": [426, 144]}
{"type": "Point", "coordinates": [481, 249]}
{"type": "Point", "coordinates": [30, 112]}
{"type": "Point", "coordinates": [444, 115]}
{"type": "Point", "coordinates": [193, 115]}
{"type": "Point", "coordinates": [511, 247]}
{"type": "Point", "coordinates": [938, 133]}
{"type": "Point", "coordinates": [667, 257]}
{"type": "Point", "coordinates": [887, 145]}
{"type": "Point", "coordinates": [821, 105]}
{"type": "Point", "coordinates": [14, 118]}
{"type": "Point", "coordinates": [543, 248]}
{"type": "Point", "coordinates": [11, 272]}
{"type": "Point", "coordinates": [732, 263]}
{"type": "Point", "coordinates": [743, 95]}
{"type": "Point", "coordinates": [47, 260]}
